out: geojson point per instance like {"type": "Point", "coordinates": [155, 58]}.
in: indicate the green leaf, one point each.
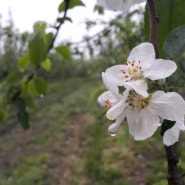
{"type": "Point", "coordinates": [64, 51]}
{"type": "Point", "coordinates": [40, 85]}
{"type": "Point", "coordinates": [49, 38]}
{"type": "Point", "coordinates": [35, 87]}
{"type": "Point", "coordinates": [22, 114]}
{"type": "Point", "coordinates": [30, 88]}
{"type": "Point", "coordinates": [175, 43]}
{"type": "Point", "coordinates": [171, 15]}
{"type": "Point", "coordinates": [29, 100]}
{"type": "Point", "coordinates": [13, 77]}
{"type": "Point", "coordinates": [20, 103]}
{"type": "Point", "coordinates": [72, 4]}
{"type": "Point", "coordinates": [23, 118]}
{"type": "Point", "coordinates": [4, 88]}
{"type": "Point", "coordinates": [37, 50]}
{"type": "Point", "coordinates": [23, 63]}
{"type": "Point", "coordinates": [46, 64]}
{"type": "Point", "coordinates": [99, 9]}
{"type": "Point", "coordinates": [63, 19]}
{"type": "Point", "coordinates": [39, 26]}
{"type": "Point", "coordinates": [4, 107]}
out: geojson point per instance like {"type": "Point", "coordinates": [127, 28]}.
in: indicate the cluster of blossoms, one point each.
{"type": "Point", "coordinates": [143, 110]}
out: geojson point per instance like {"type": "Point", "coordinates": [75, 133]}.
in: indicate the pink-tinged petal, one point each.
{"type": "Point", "coordinates": [107, 95]}
{"type": "Point", "coordinates": [119, 107]}
{"type": "Point", "coordinates": [139, 86]}
{"type": "Point", "coordinates": [160, 69]}
{"type": "Point", "coordinates": [142, 125]}
{"type": "Point", "coordinates": [171, 136]}
{"type": "Point", "coordinates": [114, 127]}
{"type": "Point", "coordinates": [144, 53]}
{"type": "Point", "coordinates": [170, 106]}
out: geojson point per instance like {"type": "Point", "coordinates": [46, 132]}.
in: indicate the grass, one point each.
{"type": "Point", "coordinates": [30, 171]}
{"type": "Point", "coordinates": [68, 143]}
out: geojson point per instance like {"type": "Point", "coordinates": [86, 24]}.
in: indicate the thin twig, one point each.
{"type": "Point", "coordinates": [32, 75]}
{"type": "Point", "coordinates": [154, 21]}
{"type": "Point", "coordinates": [59, 26]}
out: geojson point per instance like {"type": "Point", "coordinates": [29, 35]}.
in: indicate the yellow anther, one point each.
{"type": "Point", "coordinates": [108, 105]}
{"type": "Point", "coordinates": [137, 102]}
{"type": "Point", "coordinates": [123, 71]}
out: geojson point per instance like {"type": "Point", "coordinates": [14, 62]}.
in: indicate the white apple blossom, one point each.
{"type": "Point", "coordinates": [114, 104]}
{"type": "Point", "coordinates": [144, 119]}
{"type": "Point", "coordinates": [140, 66]}
{"type": "Point", "coordinates": [145, 114]}
{"type": "Point", "coordinates": [115, 107]}
{"type": "Point", "coordinates": [118, 5]}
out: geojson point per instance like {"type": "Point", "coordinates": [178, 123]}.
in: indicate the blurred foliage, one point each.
{"type": "Point", "coordinates": [30, 66]}
{"type": "Point", "coordinates": [30, 171]}
{"type": "Point", "coordinates": [59, 132]}
{"type": "Point", "coordinates": [68, 143]}
{"type": "Point", "coordinates": [13, 45]}
{"type": "Point", "coordinates": [116, 36]}
{"type": "Point", "coordinates": [172, 17]}
{"type": "Point", "coordinates": [29, 60]}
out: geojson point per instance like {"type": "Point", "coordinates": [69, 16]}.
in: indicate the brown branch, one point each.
{"type": "Point", "coordinates": [174, 177]}
{"type": "Point", "coordinates": [154, 21]}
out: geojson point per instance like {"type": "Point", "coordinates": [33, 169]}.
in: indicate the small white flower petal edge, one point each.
{"type": "Point", "coordinates": [118, 5]}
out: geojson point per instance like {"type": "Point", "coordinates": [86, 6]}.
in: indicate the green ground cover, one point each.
{"type": "Point", "coordinates": [68, 144]}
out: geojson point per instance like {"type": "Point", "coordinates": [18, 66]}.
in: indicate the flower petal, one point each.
{"type": "Point", "coordinates": [142, 125]}
{"type": "Point", "coordinates": [138, 1]}
{"type": "Point", "coordinates": [160, 69]}
{"type": "Point", "coordinates": [171, 136]}
{"type": "Point", "coordinates": [117, 5]}
{"type": "Point", "coordinates": [107, 95]}
{"type": "Point", "coordinates": [180, 123]}
{"type": "Point", "coordinates": [111, 84]}
{"type": "Point", "coordinates": [140, 86]}
{"type": "Point", "coordinates": [144, 53]}
{"type": "Point", "coordinates": [113, 127]}
{"type": "Point", "coordinates": [118, 108]}
{"type": "Point", "coordinates": [170, 106]}
{"type": "Point", "coordinates": [116, 72]}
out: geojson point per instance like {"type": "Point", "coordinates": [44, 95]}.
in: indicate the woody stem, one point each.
{"type": "Point", "coordinates": [174, 177]}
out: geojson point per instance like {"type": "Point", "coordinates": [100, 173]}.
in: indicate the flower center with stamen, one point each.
{"type": "Point", "coordinates": [134, 70]}
{"type": "Point", "coordinates": [108, 105]}
{"type": "Point", "coordinates": [137, 102]}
